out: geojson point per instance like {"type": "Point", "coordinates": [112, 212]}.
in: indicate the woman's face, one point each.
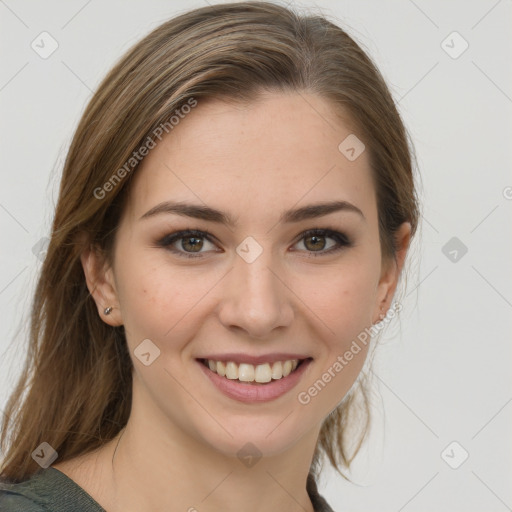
{"type": "Point", "coordinates": [260, 290]}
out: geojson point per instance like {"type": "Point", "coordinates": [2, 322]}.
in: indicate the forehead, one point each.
{"type": "Point", "coordinates": [254, 159]}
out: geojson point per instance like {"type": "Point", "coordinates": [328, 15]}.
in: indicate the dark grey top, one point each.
{"type": "Point", "coordinates": [50, 490]}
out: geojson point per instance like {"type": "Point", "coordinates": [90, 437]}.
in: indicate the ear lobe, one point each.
{"type": "Point", "coordinates": [391, 271]}
{"type": "Point", "coordinates": [99, 278]}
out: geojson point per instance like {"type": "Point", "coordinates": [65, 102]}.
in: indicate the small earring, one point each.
{"type": "Point", "coordinates": [108, 310]}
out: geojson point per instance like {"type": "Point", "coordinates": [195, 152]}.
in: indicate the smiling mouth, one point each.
{"type": "Point", "coordinates": [260, 374]}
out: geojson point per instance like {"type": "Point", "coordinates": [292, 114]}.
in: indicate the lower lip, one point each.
{"type": "Point", "coordinates": [250, 393]}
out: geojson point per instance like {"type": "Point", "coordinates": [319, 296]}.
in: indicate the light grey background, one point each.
{"type": "Point", "coordinates": [444, 370]}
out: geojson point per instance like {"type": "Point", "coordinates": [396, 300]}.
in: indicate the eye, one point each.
{"type": "Point", "coordinates": [191, 242]}
{"type": "Point", "coordinates": [314, 241]}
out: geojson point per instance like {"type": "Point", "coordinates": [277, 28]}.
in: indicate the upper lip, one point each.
{"type": "Point", "coordinates": [254, 360]}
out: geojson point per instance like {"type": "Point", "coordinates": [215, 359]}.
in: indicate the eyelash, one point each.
{"type": "Point", "coordinates": [342, 240]}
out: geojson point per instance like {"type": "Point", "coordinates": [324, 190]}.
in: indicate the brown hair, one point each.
{"type": "Point", "coordinates": [75, 388]}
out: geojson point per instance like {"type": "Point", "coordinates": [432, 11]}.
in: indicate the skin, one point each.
{"type": "Point", "coordinates": [253, 161]}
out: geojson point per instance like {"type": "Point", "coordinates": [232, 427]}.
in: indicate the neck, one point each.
{"type": "Point", "coordinates": [156, 476]}
{"type": "Point", "coordinates": [153, 465]}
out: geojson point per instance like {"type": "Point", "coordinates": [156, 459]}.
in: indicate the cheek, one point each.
{"type": "Point", "coordinates": [345, 305]}
{"type": "Point", "coordinates": [343, 297]}
{"type": "Point", "coordinates": [159, 300]}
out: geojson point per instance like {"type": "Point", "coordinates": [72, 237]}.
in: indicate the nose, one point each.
{"type": "Point", "coordinates": [255, 298]}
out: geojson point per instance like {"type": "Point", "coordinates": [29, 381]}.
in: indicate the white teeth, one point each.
{"type": "Point", "coordinates": [287, 368]}
{"type": "Point", "coordinates": [231, 370]}
{"type": "Point", "coordinates": [261, 373]}
{"type": "Point", "coordinates": [246, 372]}
{"type": "Point", "coordinates": [221, 368]}
{"type": "Point", "coordinates": [277, 370]}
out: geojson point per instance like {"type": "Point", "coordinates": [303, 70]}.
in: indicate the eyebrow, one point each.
{"type": "Point", "coordinates": [212, 215]}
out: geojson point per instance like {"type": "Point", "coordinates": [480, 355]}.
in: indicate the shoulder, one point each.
{"type": "Point", "coordinates": [317, 500]}
{"type": "Point", "coordinates": [18, 498]}
{"type": "Point", "coordinates": [18, 503]}
{"type": "Point", "coordinates": [49, 490]}
{"type": "Point", "coordinates": [320, 504]}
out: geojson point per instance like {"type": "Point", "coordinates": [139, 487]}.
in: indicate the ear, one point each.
{"type": "Point", "coordinates": [100, 281]}
{"type": "Point", "coordinates": [391, 269]}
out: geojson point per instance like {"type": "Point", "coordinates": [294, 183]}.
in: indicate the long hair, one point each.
{"type": "Point", "coordinates": [75, 388]}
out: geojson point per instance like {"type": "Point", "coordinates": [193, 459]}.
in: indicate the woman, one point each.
{"type": "Point", "coordinates": [234, 216]}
